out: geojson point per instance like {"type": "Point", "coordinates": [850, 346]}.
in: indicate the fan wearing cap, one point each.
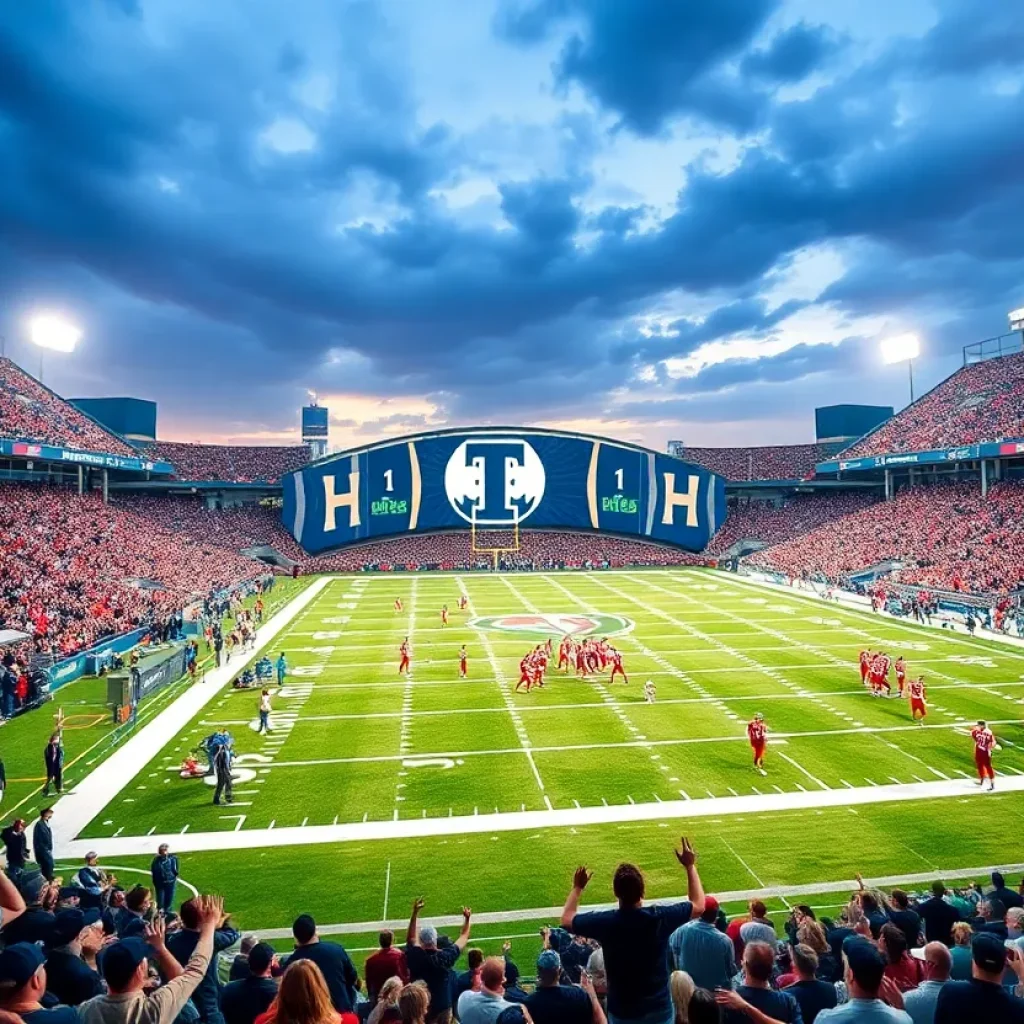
{"type": "Point", "coordinates": [244, 1000]}
{"type": "Point", "coordinates": [705, 953]}
{"type": "Point", "coordinates": [864, 974]}
{"type": "Point", "coordinates": [983, 999]}
{"type": "Point", "coordinates": [71, 948]}
{"type": "Point", "coordinates": [553, 1003]}
{"type": "Point", "coordinates": [23, 985]}
{"type": "Point", "coordinates": [125, 968]}
{"type": "Point", "coordinates": [35, 923]}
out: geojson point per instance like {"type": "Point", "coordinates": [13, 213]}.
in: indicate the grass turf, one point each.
{"type": "Point", "coordinates": [366, 745]}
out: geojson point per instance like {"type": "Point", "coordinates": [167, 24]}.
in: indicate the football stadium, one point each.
{"type": "Point", "coordinates": [522, 675]}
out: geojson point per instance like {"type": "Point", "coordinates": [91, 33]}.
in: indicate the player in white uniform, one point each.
{"type": "Point", "coordinates": [649, 692]}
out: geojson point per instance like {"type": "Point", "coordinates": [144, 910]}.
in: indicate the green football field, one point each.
{"type": "Point", "coordinates": [425, 784]}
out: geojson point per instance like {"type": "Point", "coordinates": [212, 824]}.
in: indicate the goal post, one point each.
{"type": "Point", "coordinates": [494, 542]}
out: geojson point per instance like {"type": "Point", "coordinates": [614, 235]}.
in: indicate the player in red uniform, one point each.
{"type": "Point", "coordinates": [463, 669]}
{"type": "Point", "coordinates": [901, 673]}
{"type": "Point", "coordinates": [616, 658]}
{"type": "Point", "coordinates": [563, 654]}
{"type": "Point", "coordinates": [444, 615]}
{"type": "Point", "coordinates": [463, 601]}
{"type": "Point", "coordinates": [984, 744]}
{"type": "Point", "coordinates": [403, 653]}
{"type": "Point", "coordinates": [525, 672]}
{"type": "Point", "coordinates": [880, 674]}
{"type": "Point", "coordinates": [398, 604]}
{"type": "Point", "coordinates": [540, 664]}
{"type": "Point", "coordinates": [757, 733]}
{"type": "Point", "coordinates": [865, 665]}
{"type": "Point", "coordinates": [918, 691]}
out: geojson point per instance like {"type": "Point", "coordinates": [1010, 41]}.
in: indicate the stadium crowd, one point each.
{"type": "Point", "coordinates": [774, 462]}
{"type": "Point", "coordinates": [239, 464]}
{"type": "Point", "coordinates": [31, 412]}
{"type": "Point", "coordinates": [981, 402]}
{"type": "Point", "coordinates": [71, 567]}
{"type": "Point", "coordinates": [88, 950]}
{"type": "Point", "coordinates": [948, 536]}
{"type": "Point", "coordinates": [775, 522]}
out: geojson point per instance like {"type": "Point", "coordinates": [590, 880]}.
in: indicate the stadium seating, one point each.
{"type": "Point", "coordinates": [774, 523]}
{"type": "Point", "coordinates": [31, 412]}
{"type": "Point", "coordinates": [981, 402]}
{"type": "Point", "coordinates": [777, 462]}
{"type": "Point", "coordinates": [68, 562]}
{"type": "Point", "coordinates": [948, 536]}
{"type": "Point", "coordinates": [238, 464]}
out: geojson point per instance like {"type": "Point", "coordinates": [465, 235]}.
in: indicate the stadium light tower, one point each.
{"type": "Point", "coordinates": [902, 348]}
{"type": "Point", "coordinates": [1017, 319]}
{"type": "Point", "coordinates": [50, 331]}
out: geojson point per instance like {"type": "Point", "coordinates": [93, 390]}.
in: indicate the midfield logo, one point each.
{"type": "Point", "coordinates": [576, 624]}
{"type": "Point", "coordinates": [494, 481]}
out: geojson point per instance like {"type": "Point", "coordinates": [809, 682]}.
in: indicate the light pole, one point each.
{"type": "Point", "coordinates": [902, 348]}
{"type": "Point", "coordinates": [51, 331]}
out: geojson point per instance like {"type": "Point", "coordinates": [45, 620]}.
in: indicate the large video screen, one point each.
{"type": "Point", "coordinates": [498, 479]}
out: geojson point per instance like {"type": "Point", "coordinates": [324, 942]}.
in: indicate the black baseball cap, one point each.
{"type": "Point", "coordinates": [18, 962]}
{"type": "Point", "coordinates": [988, 952]}
{"type": "Point", "coordinates": [120, 961]}
{"type": "Point", "coordinates": [68, 924]}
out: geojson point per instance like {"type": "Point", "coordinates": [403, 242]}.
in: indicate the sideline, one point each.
{"type": "Point", "coordinates": [733, 896]}
{"type": "Point", "coordinates": [515, 821]}
{"type": "Point", "coordinates": [79, 806]}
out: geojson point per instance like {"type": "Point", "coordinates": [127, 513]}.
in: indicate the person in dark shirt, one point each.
{"type": "Point", "coordinates": [908, 921]}
{"type": "Point", "coordinates": [991, 918]}
{"type": "Point", "coordinates": [938, 916]}
{"type": "Point", "coordinates": [42, 843]}
{"type": "Point", "coordinates": [552, 1003]}
{"type": "Point", "coordinates": [16, 845]}
{"type": "Point", "coordinates": [1007, 897]}
{"type": "Point", "coordinates": [241, 1002]}
{"type": "Point", "coordinates": [164, 871]}
{"type": "Point", "coordinates": [240, 964]}
{"type": "Point", "coordinates": [873, 912]}
{"type": "Point", "coordinates": [811, 995]}
{"type": "Point", "coordinates": [756, 990]}
{"type": "Point", "coordinates": [433, 966]}
{"type": "Point", "coordinates": [387, 962]}
{"type": "Point", "coordinates": [23, 971]}
{"type": "Point", "coordinates": [514, 992]}
{"type": "Point", "coordinates": [634, 937]}
{"type": "Point", "coordinates": [181, 945]}
{"type": "Point", "coordinates": [982, 1000]}
{"type": "Point", "coordinates": [338, 971]}
{"type": "Point", "coordinates": [76, 934]}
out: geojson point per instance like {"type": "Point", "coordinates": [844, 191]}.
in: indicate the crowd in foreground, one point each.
{"type": "Point", "coordinates": [90, 951]}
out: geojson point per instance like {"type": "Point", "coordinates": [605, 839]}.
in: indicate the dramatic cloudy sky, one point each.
{"type": "Point", "coordinates": [649, 218]}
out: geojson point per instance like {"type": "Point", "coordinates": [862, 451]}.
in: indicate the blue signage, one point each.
{"type": "Point", "coordinates": [497, 479]}
{"type": "Point", "coordinates": [101, 460]}
{"type": "Point", "coordinates": [931, 457]}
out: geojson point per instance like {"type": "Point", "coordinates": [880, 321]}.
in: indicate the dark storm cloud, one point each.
{"type": "Point", "coordinates": [135, 180]}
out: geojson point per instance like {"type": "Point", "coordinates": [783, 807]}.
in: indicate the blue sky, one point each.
{"type": "Point", "coordinates": [645, 218]}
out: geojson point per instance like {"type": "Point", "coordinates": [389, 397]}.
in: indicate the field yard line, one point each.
{"type": "Point", "coordinates": [502, 681]}
{"type": "Point", "coordinates": [516, 821]}
{"type": "Point", "coordinates": [779, 892]}
{"type": "Point", "coordinates": [800, 767]}
{"type": "Point", "coordinates": [919, 629]}
{"type": "Point", "coordinates": [79, 806]}
{"type": "Point", "coordinates": [404, 744]}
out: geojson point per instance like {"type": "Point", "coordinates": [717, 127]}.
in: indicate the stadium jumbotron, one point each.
{"type": "Point", "coordinates": [458, 691]}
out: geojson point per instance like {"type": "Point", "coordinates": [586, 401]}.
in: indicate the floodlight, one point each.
{"type": "Point", "coordinates": [1017, 319]}
{"type": "Point", "coordinates": [900, 348]}
{"type": "Point", "coordinates": [48, 330]}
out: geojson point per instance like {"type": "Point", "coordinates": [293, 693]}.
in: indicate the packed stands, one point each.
{"type": "Point", "coordinates": [777, 462]}
{"type": "Point", "coordinates": [982, 402]}
{"type": "Point", "coordinates": [948, 537]}
{"type": "Point", "coordinates": [31, 412]}
{"type": "Point", "coordinates": [774, 523]}
{"type": "Point", "coordinates": [238, 464]}
{"type": "Point", "coordinates": [68, 562]}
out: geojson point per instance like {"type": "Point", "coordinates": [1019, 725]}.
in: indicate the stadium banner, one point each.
{"type": "Point", "coordinates": [48, 453]}
{"type": "Point", "coordinates": [69, 669]}
{"type": "Point", "coordinates": [931, 457]}
{"type": "Point", "coordinates": [502, 479]}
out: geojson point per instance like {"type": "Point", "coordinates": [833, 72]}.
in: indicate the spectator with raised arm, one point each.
{"type": "Point", "coordinates": [431, 965]}
{"type": "Point", "coordinates": [635, 938]}
{"type": "Point", "coordinates": [183, 944]}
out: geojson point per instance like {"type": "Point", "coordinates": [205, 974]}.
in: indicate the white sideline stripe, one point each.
{"type": "Point", "coordinates": [781, 892]}
{"type": "Point", "coordinates": [417, 828]}
{"type": "Point", "coordinates": [800, 767]}
{"type": "Point", "coordinates": [77, 808]}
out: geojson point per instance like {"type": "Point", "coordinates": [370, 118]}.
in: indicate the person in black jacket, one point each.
{"type": "Point", "coordinates": [244, 1000]}
{"type": "Point", "coordinates": [16, 845]}
{"type": "Point", "coordinates": [182, 944]}
{"type": "Point", "coordinates": [3, 778]}
{"type": "Point", "coordinates": [71, 949]}
{"type": "Point", "coordinates": [42, 843]}
{"type": "Point", "coordinates": [165, 872]}
{"type": "Point", "coordinates": [53, 756]}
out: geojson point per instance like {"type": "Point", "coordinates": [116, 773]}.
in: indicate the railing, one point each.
{"type": "Point", "coordinates": [992, 348]}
